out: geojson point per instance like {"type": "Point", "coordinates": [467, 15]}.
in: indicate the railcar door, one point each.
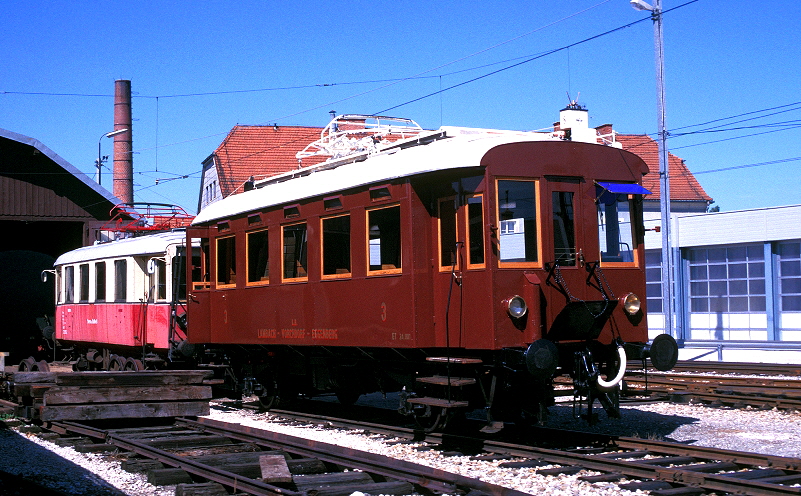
{"type": "Point", "coordinates": [462, 297]}
{"type": "Point", "coordinates": [198, 304]}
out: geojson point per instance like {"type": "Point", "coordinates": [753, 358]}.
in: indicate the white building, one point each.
{"type": "Point", "coordinates": [738, 280]}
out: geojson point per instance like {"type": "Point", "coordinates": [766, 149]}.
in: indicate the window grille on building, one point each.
{"type": "Point", "coordinates": [789, 275]}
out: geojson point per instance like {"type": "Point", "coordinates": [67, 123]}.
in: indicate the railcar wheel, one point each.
{"type": "Point", "coordinates": [347, 397]}
{"type": "Point", "coordinates": [27, 365]}
{"type": "Point", "coordinates": [268, 401]}
{"type": "Point", "coordinates": [269, 397]}
{"type": "Point", "coordinates": [437, 419]}
{"type": "Point", "coordinates": [432, 422]}
{"type": "Point", "coordinates": [134, 364]}
{"type": "Point", "coordinates": [116, 363]}
{"type": "Point", "coordinates": [41, 366]}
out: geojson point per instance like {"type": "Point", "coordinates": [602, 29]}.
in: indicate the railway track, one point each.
{"type": "Point", "coordinates": [257, 461]}
{"type": "Point", "coordinates": [663, 468]}
{"type": "Point", "coordinates": [746, 368]}
{"type": "Point", "coordinates": [738, 385]}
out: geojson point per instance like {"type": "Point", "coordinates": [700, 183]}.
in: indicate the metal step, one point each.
{"type": "Point", "coordinates": [440, 402]}
{"type": "Point", "coordinates": [442, 380]}
{"type": "Point", "coordinates": [456, 360]}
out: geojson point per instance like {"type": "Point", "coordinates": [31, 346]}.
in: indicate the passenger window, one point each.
{"type": "Point", "coordinates": [384, 240]}
{"type": "Point", "coordinates": [258, 257]}
{"type": "Point", "coordinates": [294, 252]}
{"type": "Point", "coordinates": [336, 246]}
{"type": "Point", "coordinates": [226, 261]}
{"type": "Point", "coordinates": [564, 237]}
{"type": "Point", "coordinates": [475, 231]}
{"type": "Point", "coordinates": [517, 216]}
{"type": "Point", "coordinates": [100, 281]}
{"type": "Point", "coordinates": [69, 284]}
{"type": "Point", "coordinates": [615, 229]}
{"type": "Point", "coordinates": [120, 280]}
{"type": "Point", "coordinates": [83, 270]}
{"type": "Point", "coordinates": [447, 233]}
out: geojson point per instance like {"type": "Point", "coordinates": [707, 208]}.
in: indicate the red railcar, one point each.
{"type": "Point", "coordinates": [120, 304]}
{"type": "Point", "coordinates": [464, 267]}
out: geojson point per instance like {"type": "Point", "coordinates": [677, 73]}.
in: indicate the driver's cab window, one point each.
{"type": "Point", "coordinates": [617, 221]}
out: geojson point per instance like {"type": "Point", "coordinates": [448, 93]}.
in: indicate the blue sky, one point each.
{"type": "Point", "coordinates": [290, 63]}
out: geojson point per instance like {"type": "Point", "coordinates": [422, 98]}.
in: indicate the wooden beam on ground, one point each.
{"type": "Point", "coordinates": [124, 410]}
{"type": "Point", "coordinates": [65, 395]}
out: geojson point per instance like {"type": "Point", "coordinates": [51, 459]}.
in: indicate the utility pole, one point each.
{"type": "Point", "coordinates": [668, 303]}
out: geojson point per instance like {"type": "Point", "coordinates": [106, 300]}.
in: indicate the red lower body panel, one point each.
{"type": "Point", "coordinates": [114, 324]}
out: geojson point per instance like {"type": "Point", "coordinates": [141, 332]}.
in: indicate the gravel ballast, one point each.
{"type": "Point", "coordinates": [769, 432]}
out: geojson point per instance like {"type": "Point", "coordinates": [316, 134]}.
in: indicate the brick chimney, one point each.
{"type": "Point", "coordinates": [123, 150]}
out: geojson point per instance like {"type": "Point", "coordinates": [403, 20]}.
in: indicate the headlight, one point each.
{"type": "Point", "coordinates": [516, 307]}
{"type": "Point", "coordinates": [631, 303]}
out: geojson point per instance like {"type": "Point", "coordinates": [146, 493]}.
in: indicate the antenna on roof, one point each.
{"type": "Point", "coordinates": [574, 104]}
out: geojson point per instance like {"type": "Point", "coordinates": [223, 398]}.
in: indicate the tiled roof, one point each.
{"type": "Point", "coordinates": [683, 185]}
{"type": "Point", "coordinates": [261, 151]}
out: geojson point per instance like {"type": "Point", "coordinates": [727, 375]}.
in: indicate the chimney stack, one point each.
{"type": "Point", "coordinates": [123, 151]}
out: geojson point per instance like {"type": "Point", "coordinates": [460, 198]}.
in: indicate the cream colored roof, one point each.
{"type": "Point", "coordinates": [462, 148]}
{"type": "Point", "coordinates": [151, 244]}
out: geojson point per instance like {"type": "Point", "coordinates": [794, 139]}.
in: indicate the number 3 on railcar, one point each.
{"type": "Point", "coordinates": [464, 268]}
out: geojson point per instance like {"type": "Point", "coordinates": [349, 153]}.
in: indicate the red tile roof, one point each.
{"type": "Point", "coordinates": [261, 151]}
{"type": "Point", "coordinates": [683, 185]}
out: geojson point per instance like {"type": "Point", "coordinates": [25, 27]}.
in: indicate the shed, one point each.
{"type": "Point", "coordinates": [47, 207]}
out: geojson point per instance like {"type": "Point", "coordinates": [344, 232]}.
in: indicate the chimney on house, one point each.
{"type": "Point", "coordinates": [123, 151]}
{"type": "Point", "coordinates": [574, 122]}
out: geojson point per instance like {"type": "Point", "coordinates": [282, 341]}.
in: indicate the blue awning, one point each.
{"type": "Point", "coordinates": [627, 188]}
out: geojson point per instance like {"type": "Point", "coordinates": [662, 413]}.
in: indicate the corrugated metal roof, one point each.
{"type": "Point", "coordinates": [86, 180]}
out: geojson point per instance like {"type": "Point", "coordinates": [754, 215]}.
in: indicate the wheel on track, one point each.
{"type": "Point", "coordinates": [116, 363]}
{"type": "Point", "coordinates": [133, 364]}
{"type": "Point", "coordinates": [438, 419]}
{"type": "Point", "coordinates": [269, 397]}
{"type": "Point", "coordinates": [27, 365]}
{"type": "Point", "coordinates": [347, 397]}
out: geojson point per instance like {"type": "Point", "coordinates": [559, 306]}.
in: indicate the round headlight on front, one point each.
{"type": "Point", "coordinates": [631, 303]}
{"type": "Point", "coordinates": [516, 307]}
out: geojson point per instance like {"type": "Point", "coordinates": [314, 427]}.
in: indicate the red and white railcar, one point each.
{"type": "Point", "coordinates": [123, 301]}
{"type": "Point", "coordinates": [479, 262]}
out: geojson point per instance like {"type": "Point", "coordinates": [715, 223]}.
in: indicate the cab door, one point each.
{"type": "Point", "coordinates": [566, 246]}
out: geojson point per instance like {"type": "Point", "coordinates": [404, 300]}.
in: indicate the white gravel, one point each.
{"type": "Point", "coordinates": [769, 432]}
{"type": "Point", "coordinates": [70, 472]}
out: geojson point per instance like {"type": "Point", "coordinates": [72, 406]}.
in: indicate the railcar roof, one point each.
{"type": "Point", "coordinates": [151, 244]}
{"type": "Point", "coordinates": [462, 148]}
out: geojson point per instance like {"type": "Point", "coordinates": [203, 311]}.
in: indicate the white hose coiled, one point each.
{"type": "Point", "coordinates": [603, 385]}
